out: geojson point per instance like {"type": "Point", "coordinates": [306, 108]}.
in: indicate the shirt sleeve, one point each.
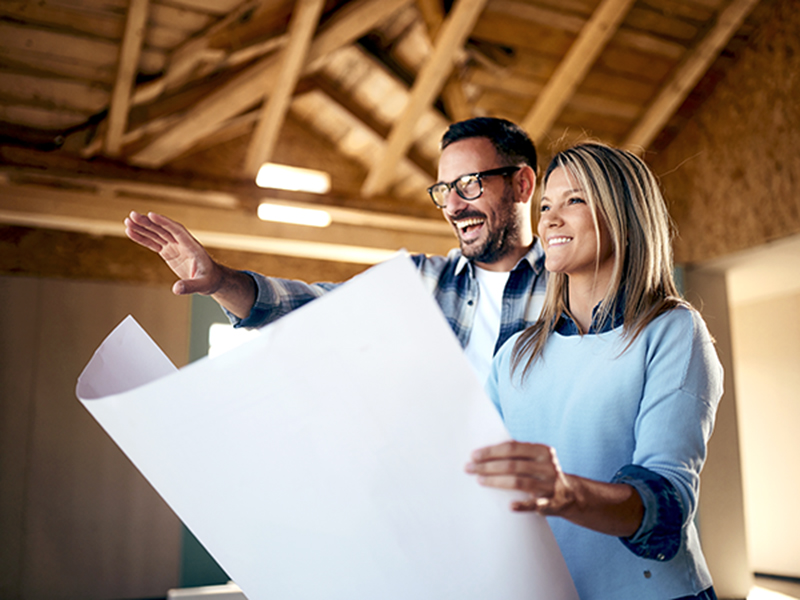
{"type": "Point", "coordinates": [659, 535]}
{"type": "Point", "coordinates": [276, 298]}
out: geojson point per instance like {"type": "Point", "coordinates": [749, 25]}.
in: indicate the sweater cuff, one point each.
{"type": "Point", "coordinates": [659, 535]}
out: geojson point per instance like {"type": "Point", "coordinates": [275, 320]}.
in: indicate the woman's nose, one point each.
{"type": "Point", "coordinates": [549, 218]}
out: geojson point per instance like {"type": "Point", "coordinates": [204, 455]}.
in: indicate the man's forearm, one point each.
{"type": "Point", "coordinates": [236, 292]}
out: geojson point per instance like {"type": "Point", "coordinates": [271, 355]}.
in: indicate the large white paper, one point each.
{"type": "Point", "coordinates": [325, 458]}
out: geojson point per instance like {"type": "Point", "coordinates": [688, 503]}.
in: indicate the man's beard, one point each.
{"type": "Point", "coordinates": [501, 239]}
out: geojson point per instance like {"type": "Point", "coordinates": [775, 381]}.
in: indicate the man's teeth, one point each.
{"type": "Point", "coordinates": [462, 225]}
{"type": "Point", "coordinates": [559, 240]}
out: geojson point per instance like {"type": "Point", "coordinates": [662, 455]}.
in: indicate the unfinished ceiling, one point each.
{"type": "Point", "coordinates": [113, 105]}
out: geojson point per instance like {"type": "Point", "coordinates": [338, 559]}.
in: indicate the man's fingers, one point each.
{"type": "Point", "coordinates": [176, 231]}
{"type": "Point", "coordinates": [142, 237]}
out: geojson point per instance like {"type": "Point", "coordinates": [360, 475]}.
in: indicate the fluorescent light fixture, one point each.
{"type": "Point", "coordinates": [283, 177]}
{"type": "Point", "coordinates": [294, 215]}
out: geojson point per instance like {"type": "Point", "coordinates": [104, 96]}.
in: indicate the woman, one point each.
{"type": "Point", "coordinates": [611, 396]}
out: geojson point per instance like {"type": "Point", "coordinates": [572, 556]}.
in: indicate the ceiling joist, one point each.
{"type": "Point", "coordinates": [453, 33]}
{"type": "Point", "coordinates": [570, 73]}
{"type": "Point", "coordinates": [301, 29]}
{"type": "Point", "coordinates": [247, 88]}
{"type": "Point", "coordinates": [126, 73]}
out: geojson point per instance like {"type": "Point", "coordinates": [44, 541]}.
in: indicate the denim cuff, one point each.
{"type": "Point", "coordinates": [659, 536]}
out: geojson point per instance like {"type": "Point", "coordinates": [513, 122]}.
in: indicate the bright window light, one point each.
{"type": "Point", "coordinates": [293, 214]}
{"type": "Point", "coordinates": [758, 593]}
{"type": "Point", "coordinates": [283, 177]}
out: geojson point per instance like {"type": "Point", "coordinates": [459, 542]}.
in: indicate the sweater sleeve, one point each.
{"type": "Point", "coordinates": [683, 386]}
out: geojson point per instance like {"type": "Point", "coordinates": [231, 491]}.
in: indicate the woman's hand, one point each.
{"type": "Point", "coordinates": [531, 468]}
{"type": "Point", "coordinates": [612, 508]}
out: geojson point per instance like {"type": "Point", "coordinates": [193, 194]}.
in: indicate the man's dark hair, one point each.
{"type": "Point", "coordinates": [511, 143]}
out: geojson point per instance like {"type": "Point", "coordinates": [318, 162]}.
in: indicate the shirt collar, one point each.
{"type": "Point", "coordinates": [534, 257]}
{"type": "Point", "coordinates": [566, 326]}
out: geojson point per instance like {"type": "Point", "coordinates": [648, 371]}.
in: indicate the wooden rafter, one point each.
{"type": "Point", "coordinates": [450, 40]}
{"type": "Point", "coordinates": [301, 29]}
{"type": "Point", "coordinates": [247, 88]}
{"type": "Point", "coordinates": [455, 101]}
{"type": "Point", "coordinates": [688, 74]}
{"type": "Point", "coordinates": [571, 71]}
{"type": "Point", "coordinates": [334, 92]}
{"type": "Point", "coordinates": [126, 72]}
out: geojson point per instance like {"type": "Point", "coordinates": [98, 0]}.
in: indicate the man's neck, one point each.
{"type": "Point", "coordinates": [507, 262]}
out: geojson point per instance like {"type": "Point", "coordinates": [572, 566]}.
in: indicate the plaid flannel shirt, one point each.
{"type": "Point", "coordinates": [451, 280]}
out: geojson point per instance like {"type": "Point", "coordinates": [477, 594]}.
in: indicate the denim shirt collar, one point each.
{"type": "Point", "coordinates": [567, 326]}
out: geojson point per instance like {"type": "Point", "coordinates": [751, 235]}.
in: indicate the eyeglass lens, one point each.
{"type": "Point", "coordinates": [468, 187]}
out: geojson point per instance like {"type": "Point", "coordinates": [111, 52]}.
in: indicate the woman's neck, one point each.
{"type": "Point", "coordinates": [586, 292]}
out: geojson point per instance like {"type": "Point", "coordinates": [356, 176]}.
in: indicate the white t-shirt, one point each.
{"type": "Point", "coordinates": [486, 328]}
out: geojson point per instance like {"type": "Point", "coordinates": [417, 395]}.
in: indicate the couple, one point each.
{"type": "Point", "coordinates": [607, 381]}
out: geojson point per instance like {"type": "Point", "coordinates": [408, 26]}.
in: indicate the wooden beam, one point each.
{"type": "Point", "coordinates": [570, 72]}
{"type": "Point", "coordinates": [688, 74]}
{"type": "Point", "coordinates": [301, 29]}
{"type": "Point", "coordinates": [454, 32]}
{"type": "Point", "coordinates": [23, 165]}
{"type": "Point", "coordinates": [347, 102]}
{"type": "Point", "coordinates": [200, 49]}
{"type": "Point", "coordinates": [35, 252]}
{"type": "Point", "coordinates": [126, 72]}
{"type": "Point", "coordinates": [247, 88]}
{"type": "Point", "coordinates": [52, 92]}
{"type": "Point", "coordinates": [634, 38]}
{"type": "Point", "coordinates": [453, 97]}
{"type": "Point", "coordinates": [36, 206]}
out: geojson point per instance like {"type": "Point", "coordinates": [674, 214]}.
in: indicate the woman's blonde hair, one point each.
{"type": "Point", "coordinates": [624, 195]}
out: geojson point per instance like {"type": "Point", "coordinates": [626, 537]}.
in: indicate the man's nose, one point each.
{"type": "Point", "coordinates": [453, 203]}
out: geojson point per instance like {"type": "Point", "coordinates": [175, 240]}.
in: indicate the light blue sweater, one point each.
{"type": "Point", "coordinates": [602, 409]}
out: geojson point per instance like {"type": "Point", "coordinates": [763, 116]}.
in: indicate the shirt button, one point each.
{"type": "Point", "coordinates": [660, 557]}
{"type": "Point", "coordinates": [469, 302]}
{"type": "Point", "coordinates": [647, 574]}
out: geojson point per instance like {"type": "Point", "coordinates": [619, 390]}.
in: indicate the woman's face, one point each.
{"type": "Point", "coordinates": [567, 230]}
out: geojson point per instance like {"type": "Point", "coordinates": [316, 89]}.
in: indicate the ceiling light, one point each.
{"type": "Point", "coordinates": [294, 215]}
{"type": "Point", "coordinates": [283, 177]}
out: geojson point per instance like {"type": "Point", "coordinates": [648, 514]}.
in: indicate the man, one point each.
{"type": "Point", "coordinates": [489, 288]}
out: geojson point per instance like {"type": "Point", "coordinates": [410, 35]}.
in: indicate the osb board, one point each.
{"type": "Point", "coordinates": [732, 176]}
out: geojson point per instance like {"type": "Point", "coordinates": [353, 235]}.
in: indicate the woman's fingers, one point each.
{"type": "Point", "coordinates": [512, 449]}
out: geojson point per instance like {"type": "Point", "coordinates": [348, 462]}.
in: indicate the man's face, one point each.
{"type": "Point", "coordinates": [488, 228]}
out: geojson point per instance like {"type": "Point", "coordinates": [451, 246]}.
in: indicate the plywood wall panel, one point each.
{"type": "Point", "coordinates": [732, 176]}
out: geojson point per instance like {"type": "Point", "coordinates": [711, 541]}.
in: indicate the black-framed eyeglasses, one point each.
{"type": "Point", "coordinates": [469, 186]}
